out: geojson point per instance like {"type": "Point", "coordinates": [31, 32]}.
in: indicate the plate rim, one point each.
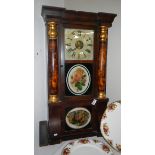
{"type": "Point", "coordinates": [91, 142]}
{"type": "Point", "coordinates": [102, 129]}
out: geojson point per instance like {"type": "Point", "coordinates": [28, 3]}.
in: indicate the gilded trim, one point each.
{"type": "Point", "coordinates": [103, 33]}
{"type": "Point", "coordinates": [52, 30]}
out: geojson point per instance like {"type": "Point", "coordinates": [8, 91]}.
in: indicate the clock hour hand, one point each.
{"type": "Point", "coordinates": [71, 49]}
{"type": "Point", "coordinates": [68, 44]}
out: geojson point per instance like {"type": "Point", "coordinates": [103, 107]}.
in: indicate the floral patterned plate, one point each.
{"type": "Point", "coordinates": [111, 125]}
{"type": "Point", "coordinates": [78, 118]}
{"type": "Point", "coordinates": [78, 79]}
{"type": "Point", "coordinates": [87, 146]}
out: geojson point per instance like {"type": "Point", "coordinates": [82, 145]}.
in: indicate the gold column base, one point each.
{"type": "Point", "coordinates": [53, 98]}
{"type": "Point", "coordinates": [102, 95]}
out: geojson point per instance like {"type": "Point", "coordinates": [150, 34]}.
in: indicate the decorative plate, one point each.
{"type": "Point", "coordinates": [78, 118]}
{"type": "Point", "coordinates": [111, 125]}
{"type": "Point", "coordinates": [87, 146]}
{"type": "Point", "coordinates": [79, 44]}
{"type": "Point", "coordinates": [78, 79]}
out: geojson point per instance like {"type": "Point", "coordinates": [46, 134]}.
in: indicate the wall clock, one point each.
{"type": "Point", "coordinates": [77, 52]}
{"type": "Point", "coordinates": [79, 44]}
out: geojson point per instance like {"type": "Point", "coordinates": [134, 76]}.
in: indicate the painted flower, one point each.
{"type": "Point", "coordinates": [66, 151]}
{"type": "Point", "coordinates": [106, 148]}
{"type": "Point", "coordinates": [118, 146]}
{"type": "Point", "coordinates": [104, 116]}
{"type": "Point", "coordinates": [84, 141]}
{"type": "Point", "coordinates": [111, 106]}
{"type": "Point", "coordinates": [106, 129]}
{"type": "Point", "coordinates": [78, 78]}
{"type": "Point", "coordinates": [96, 141]}
{"type": "Point", "coordinates": [78, 117]}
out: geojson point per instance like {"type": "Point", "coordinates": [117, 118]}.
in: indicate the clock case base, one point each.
{"type": "Point", "coordinates": [55, 130]}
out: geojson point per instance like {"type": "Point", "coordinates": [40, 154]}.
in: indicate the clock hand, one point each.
{"type": "Point", "coordinates": [69, 39]}
{"type": "Point", "coordinates": [88, 51]}
{"type": "Point", "coordinates": [73, 55]}
{"type": "Point", "coordinates": [71, 49]}
{"type": "Point", "coordinates": [69, 44]}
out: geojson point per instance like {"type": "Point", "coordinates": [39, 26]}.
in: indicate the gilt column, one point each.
{"type": "Point", "coordinates": [52, 63]}
{"type": "Point", "coordinates": [102, 62]}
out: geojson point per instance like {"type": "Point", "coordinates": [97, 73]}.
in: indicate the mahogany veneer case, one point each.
{"type": "Point", "coordinates": [64, 57]}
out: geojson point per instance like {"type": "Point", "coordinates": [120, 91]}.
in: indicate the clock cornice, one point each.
{"type": "Point", "coordinates": [55, 13]}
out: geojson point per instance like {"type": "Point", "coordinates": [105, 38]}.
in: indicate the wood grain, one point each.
{"type": "Point", "coordinates": [53, 67]}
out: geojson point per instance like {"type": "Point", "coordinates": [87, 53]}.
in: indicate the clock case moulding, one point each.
{"type": "Point", "coordinates": [55, 129]}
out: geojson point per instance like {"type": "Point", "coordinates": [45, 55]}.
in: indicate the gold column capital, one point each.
{"type": "Point", "coordinates": [52, 30]}
{"type": "Point", "coordinates": [103, 33]}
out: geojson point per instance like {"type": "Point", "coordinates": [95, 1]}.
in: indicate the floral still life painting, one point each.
{"type": "Point", "coordinates": [78, 79]}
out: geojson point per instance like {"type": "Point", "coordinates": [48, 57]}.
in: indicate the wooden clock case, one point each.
{"type": "Point", "coordinates": [56, 20]}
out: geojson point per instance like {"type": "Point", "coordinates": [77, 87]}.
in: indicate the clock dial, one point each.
{"type": "Point", "coordinates": [79, 44]}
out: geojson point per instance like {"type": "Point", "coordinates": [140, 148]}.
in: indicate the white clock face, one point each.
{"type": "Point", "coordinates": [79, 44]}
